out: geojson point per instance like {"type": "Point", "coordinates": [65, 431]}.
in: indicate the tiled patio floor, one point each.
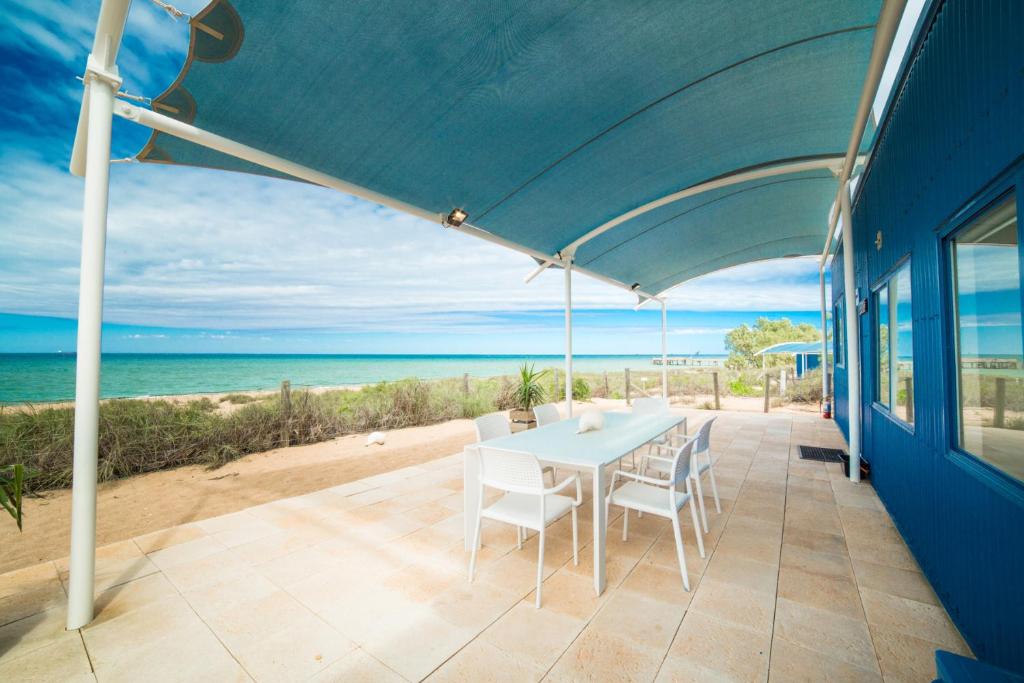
{"type": "Point", "coordinates": [805, 579]}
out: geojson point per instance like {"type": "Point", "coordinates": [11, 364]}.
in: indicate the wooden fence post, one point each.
{"type": "Point", "coordinates": [999, 413]}
{"type": "Point", "coordinates": [286, 413]}
{"type": "Point", "coordinates": [767, 388]}
{"type": "Point", "coordinates": [718, 402]}
{"type": "Point", "coordinates": [465, 383]}
{"type": "Point", "coordinates": [607, 391]}
{"type": "Point", "coordinates": [627, 387]}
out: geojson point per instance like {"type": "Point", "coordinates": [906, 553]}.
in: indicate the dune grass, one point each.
{"type": "Point", "coordinates": [139, 436]}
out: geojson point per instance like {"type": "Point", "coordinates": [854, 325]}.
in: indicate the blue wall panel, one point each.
{"type": "Point", "coordinates": [954, 135]}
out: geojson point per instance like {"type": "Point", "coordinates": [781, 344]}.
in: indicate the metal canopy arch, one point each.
{"type": "Point", "coordinates": [544, 121]}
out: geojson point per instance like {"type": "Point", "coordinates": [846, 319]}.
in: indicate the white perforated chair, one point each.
{"type": "Point", "coordinates": [650, 405]}
{"type": "Point", "coordinates": [659, 497]}
{"type": "Point", "coordinates": [527, 503]}
{"type": "Point", "coordinates": [547, 414]}
{"type": "Point", "coordinates": [701, 463]}
{"type": "Point", "coordinates": [495, 426]}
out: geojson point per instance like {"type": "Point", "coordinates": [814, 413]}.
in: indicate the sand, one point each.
{"type": "Point", "coordinates": [150, 502]}
{"type": "Point", "coordinates": [154, 501]}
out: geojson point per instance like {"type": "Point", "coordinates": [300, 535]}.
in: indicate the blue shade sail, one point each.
{"type": "Point", "coordinates": [546, 119]}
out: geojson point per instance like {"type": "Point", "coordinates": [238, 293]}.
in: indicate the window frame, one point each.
{"type": "Point", "coordinates": [1009, 182]}
{"type": "Point", "coordinates": [885, 282]}
{"type": "Point", "coordinates": [1013, 185]}
{"type": "Point", "coordinates": [839, 340]}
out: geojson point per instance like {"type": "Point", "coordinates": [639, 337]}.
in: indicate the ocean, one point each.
{"type": "Point", "coordinates": [37, 378]}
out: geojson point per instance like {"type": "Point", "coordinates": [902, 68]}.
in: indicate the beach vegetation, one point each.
{"type": "Point", "coordinates": [745, 341]}
{"type": "Point", "coordinates": [239, 399]}
{"type": "Point", "coordinates": [12, 484]}
{"type": "Point", "coordinates": [528, 390]}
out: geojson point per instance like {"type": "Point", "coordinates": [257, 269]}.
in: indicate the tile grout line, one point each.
{"type": "Point", "coordinates": [675, 635]}
{"type": "Point", "coordinates": [782, 540]}
{"type": "Point", "coordinates": [856, 583]}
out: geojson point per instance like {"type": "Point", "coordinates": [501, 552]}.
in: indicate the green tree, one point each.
{"type": "Point", "coordinates": [745, 341]}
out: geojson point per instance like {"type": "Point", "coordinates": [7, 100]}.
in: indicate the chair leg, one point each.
{"type": "Point", "coordinates": [696, 528]}
{"type": "Point", "coordinates": [540, 565]}
{"type": "Point", "coordinates": [679, 551]}
{"type": "Point", "coordinates": [625, 524]}
{"type": "Point", "coordinates": [714, 487]}
{"type": "Point", "coordinates": [519, 538]}
{"type": "Point", "coordinates": [575, 539]}
{"type": "Point", "coordinates": [700, 501]}
{"type": "Point", "coordinates": [476, 544]}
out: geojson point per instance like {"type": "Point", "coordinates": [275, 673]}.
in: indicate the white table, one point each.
{"type": "Point", "coordinates": [558, 444]}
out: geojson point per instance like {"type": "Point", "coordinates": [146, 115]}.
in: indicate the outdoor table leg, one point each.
{"type": "Point", "coordinates": [600, 525]}
{"type": "Point", "coordinates": [470, 491]}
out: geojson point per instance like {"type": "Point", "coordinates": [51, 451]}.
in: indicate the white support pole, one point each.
{"type": "Point", "coordinates": [87, 359]}
{"type": "Point", "coordinates": [568, 336]}
{"type": "Point", "coordinates": [664, 350]}
{"type": "Point", "coordinates": [853, 370]}
{"type": "Point", "coordinates": [91, 157]}
{"type": "Point", "coordinates": [824, 338]}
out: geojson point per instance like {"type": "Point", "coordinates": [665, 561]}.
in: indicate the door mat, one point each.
{"type": "Point", "coordinates": [821, 454]}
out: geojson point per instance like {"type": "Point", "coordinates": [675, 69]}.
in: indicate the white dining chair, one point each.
{"type": "Point", "coordinates": [701, 463]}
{"type": "Point", "coordinates": [650, 405]}
{"type": "Point", "coordinates": [660, 497]}
{"type": "Point", "coordinates": [547, 414]}
{"type": "Point", "coordinates": [527, 503]}
{"type": "Point", "coordinates": [495, 426]}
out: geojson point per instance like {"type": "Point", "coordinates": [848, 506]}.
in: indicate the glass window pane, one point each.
{"type": "Point", "coordinates": [986, 278]}
{"type": "Point", "coordinates": [882, 345]}
{"type": "Point", "coordinates": [902, 348]}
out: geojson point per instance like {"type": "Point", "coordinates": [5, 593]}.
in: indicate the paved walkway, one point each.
{"type": "Point", "coordinates": [805, 579]}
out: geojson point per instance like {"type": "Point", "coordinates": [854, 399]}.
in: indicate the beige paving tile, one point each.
{"type": "Point", "coordinates": [125, 598]}
{"type": "Point", "coordinates": [750, 574]}
{"type": "Point", "coordinates": [483, 661]}
{"type": "Point", "coordinates": [918, 619]}
{"type": "Point", "coordinates": [661, 583]}
{"type": "Point", "coordinates": [357, 667]}
{"type": "Point", "coordinates": [568, 593]}
{"type": "Point", "coordinates": [822, 564]}
{"type": "Point", "coordinates": [187, 551]}
{"type": "Point", "coordinates": [829, 593]}
{"type": "Point", "coordinates": [645, 621]}
{"type": "Point", "coordinates": [598, 655]}
{"type": "Point", "coordinates": [62, 660]}
{"type": "Point", "coordinates": [832, 634]}
{"type": "Point", "coordinates": [404, 649]}
{"type": "Point", "coordinates": [28, 591]}
{"type": "Point", "coordinates": [34, 632]}
{"type": "Point", "coordinates": [791, 663]}
{"type": "Point", "coordinates": [473, 606]}
{"type": "Point", "coordinates": [708, 649]}
{"type": "Point", "coordinates": [541, 635]}
{"type": "Point", "coordinates": [894, 581]}
{"type": "Point", "coordinates": [905, 658]}
{"type": "Point", "coordinates": [165, 538]}
{"type": "Point", "coordinates": [298, 650]}
{"type": "Point", "coordinates": [735, 604]}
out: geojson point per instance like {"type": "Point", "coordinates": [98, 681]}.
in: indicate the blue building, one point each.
{"type": "Point", "coordinates": [937, 273]}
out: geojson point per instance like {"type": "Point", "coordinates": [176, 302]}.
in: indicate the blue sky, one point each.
{"type": "Point", "coordinates": [206, 261]}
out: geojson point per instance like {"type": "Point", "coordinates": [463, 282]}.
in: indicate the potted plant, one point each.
{"type": "Point", "coordinates": [527, 393]}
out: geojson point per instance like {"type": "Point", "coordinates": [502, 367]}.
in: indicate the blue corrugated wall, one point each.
{"type": "Point", "coordinates": [953, 140]}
